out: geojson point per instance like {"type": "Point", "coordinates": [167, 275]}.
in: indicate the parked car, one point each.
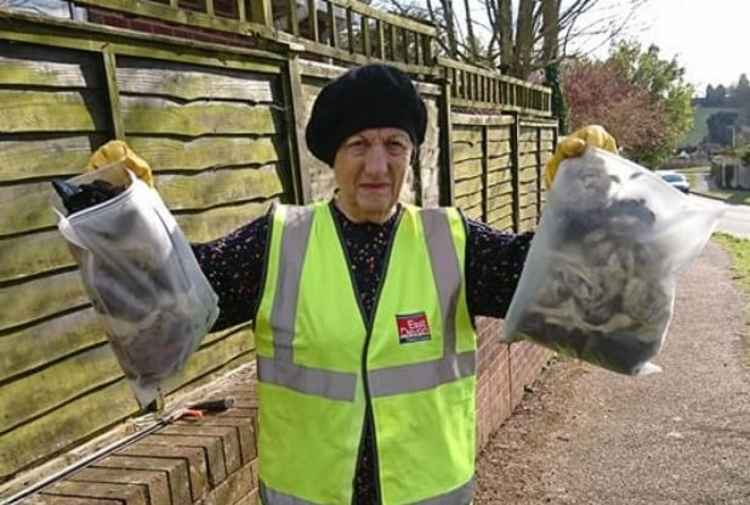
{"type": "Point", "coordinates": [675, 179]}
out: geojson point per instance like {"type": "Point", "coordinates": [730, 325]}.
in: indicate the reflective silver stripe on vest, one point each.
{"type": "Point", "coordinates": [311, 381]}
{"type": "Point", "coordinates": [447, 275]}
{"type": "Point", "coordinates": [460, 496]}
{"type": "Point", "coordinates": [271, 497]}
{"type": "Point", "coordinates": [421, 376]}
{"type": "Point", "coordinates": [281, 369]}
{"type": "Point", "coordinates": [295, 234]}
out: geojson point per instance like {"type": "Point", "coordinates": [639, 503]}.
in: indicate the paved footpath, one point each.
{"type": "Point", "coordinates": [586, 436]}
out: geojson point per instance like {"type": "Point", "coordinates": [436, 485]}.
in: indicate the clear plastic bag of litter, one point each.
{"type": "Point", "coordinates": [599, 280]}
{"type": "Point", "coordinates": [142, 278]}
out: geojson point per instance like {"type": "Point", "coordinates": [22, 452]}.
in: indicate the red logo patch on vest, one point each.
{"type": "Point", "coordinates": [413, 328]}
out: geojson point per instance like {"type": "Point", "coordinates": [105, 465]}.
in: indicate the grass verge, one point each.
{"type": "Point", "coordinates": [735, 197]}
{"type": "Point", "coordinates": [739, 249]}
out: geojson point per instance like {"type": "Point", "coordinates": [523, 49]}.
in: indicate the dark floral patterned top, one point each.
{"type": "Point", "coordinates": [234, 266]}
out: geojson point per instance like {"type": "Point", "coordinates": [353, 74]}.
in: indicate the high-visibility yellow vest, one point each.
{"type": "Point", "coordinates": [322, 367]}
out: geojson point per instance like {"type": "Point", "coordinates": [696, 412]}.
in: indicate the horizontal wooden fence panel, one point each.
{"type": "Point", "coordinates": [143, 115]}
{"type": "Point", "coordinates": [51, 74]}
{"type": "Point", "coordinates": [43, 252]}
{"type": "Point", "coordinates": [75, 111]}
{"type": "Point", "coordinates": [469, 201]}
{"type": "Point", "coordinates": [188, 82]}
{"type": "Point", "coordinates": [469, 136]}
{"type": "Point", "coordinates": [215, 223]}
{"type": "Point", "coordinates": [528, 186]}
{"type": "Point", "coordinates": [501, 163]}
{"type": "Point", "coordinates": [463, 151]}
{"type": "Point", "coordinates": [527, 134]}
{"type": "Point", "coordinates": [505, 224]}
{"type": "Point", "coordinates": [527, 174]}
{"type": "Point", "coordinates": [499, 176]}
{"type": "Point", "coordinates": [498, 148]}
{"type": "Point", "coordinates": [72, 422]}
{"type": "Point", "coordinates": [468, 186]}
{"type": "Point", "coordinates": [474, 213]}
{"type": "Point", "coordinates": [499, 214]}
{"type": "Point", "coordinates": [209, 189]}
{"type": "Point", "coordinates": [48, 341]}
{"type": "Point", "coordinates": [172, 154]}
{"type": "Point", "coordinates": [527, 200]}
{"type": "Point", "coordinates": [51, 155]}
{"type": "Point", "coordinates": [498, 133]}
{"type": "Point", "coordinates": [467, 169]}
{"type": "Point", "coordinates": [37, 393]}
{"type": "Point", "coordinates": [527, 160]}
{"type": "Point", "coordinates": [41, 297]}
{"type": "Point", "coordinates": [25, 207]}
{"type": "Point", "coordinates": [212, 357]}
{"type": "Point", "coordinates": [498, 191]}
{"type": "Point", "coordinates": [527, 146]}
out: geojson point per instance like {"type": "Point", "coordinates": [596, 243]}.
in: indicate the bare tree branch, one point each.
{"type": "Point", "coordinates": [521, 36]}
{"type": "Point", "coordinates": [505, 25]}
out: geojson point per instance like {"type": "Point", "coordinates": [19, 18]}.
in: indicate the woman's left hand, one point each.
{"type": "Point", "coordinates": [575, 144]}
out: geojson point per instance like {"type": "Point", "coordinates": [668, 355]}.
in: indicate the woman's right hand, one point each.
{"type": "Point", "coordinates": [117, 150]}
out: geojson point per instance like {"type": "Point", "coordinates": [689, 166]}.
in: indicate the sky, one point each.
{"type": "Point", "coordinates": [709, 38]}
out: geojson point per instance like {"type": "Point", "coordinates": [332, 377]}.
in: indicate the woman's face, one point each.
{"type": "Point", "coordinates": [369, 169]}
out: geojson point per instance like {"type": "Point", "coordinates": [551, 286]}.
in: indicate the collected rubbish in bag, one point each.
{"type": "Point", "coordinates": [139, 271]}
{"type": "Point", "coordinates": [76, 198]}
{"type": "Point", "coordinates": [598, 283]}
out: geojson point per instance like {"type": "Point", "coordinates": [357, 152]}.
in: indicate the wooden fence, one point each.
{"type": "Point", "coordinates": [223, 128]}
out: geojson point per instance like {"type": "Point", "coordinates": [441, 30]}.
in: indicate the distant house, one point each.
{"type": "Point", "coordinates": [729, 172]}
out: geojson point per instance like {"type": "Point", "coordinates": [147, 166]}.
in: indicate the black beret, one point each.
{"type": "Point", "coordinates": [371, 96]}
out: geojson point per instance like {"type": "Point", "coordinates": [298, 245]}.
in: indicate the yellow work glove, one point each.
{"type": "Point", "coordinates": [117, 150]}
{"type": "Point", "coordinates": [575, 144]}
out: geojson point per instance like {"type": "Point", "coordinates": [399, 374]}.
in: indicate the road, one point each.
{"type": "Point", "coordinates": [736, 220]}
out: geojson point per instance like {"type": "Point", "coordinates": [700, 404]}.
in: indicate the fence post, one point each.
{"type": "Point", "coordinates": [261, 13]}
{"type": "Point", "coordinates": [485, 174]}
{"type": "Point", "coordinates": [539, 173]}
{"type": "Point", "coordinates": [447, 189]}
{"type": "Point", "coordinates": [295, 131]}
{"type": "Point", "coordinates": [515, 134]}
{"type": "Point", "coordinates": [113, 94]}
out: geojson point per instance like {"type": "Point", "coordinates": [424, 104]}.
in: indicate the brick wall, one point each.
{"type": "Point", "coordinates": [503, 372]}
{"type": "Point", "coordinates": [211, 461]}
{"type": "Point", "coordinates": [150, 25]}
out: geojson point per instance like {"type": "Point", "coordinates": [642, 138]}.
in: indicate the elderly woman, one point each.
{"type": "Point", "coordinates": [364, 310]}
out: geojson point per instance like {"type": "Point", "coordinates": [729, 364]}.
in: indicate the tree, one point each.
{"type": "Point", "coordinates": [642, 98]}
{"type": "Point", "coordinates": [599, 93]}
{"type": "Point", "coordinates": [742, 97]}
{"type": "Point", "coordinates": [708, 101]}
{"type": "Point", "coordinates": [520, 36]}
{"type": "Point", "coordinates": [721, 128]}
{"type": "Point", "coordinates": [665, 82]}
{"type": "Point", "coordinates": [720, 96]}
